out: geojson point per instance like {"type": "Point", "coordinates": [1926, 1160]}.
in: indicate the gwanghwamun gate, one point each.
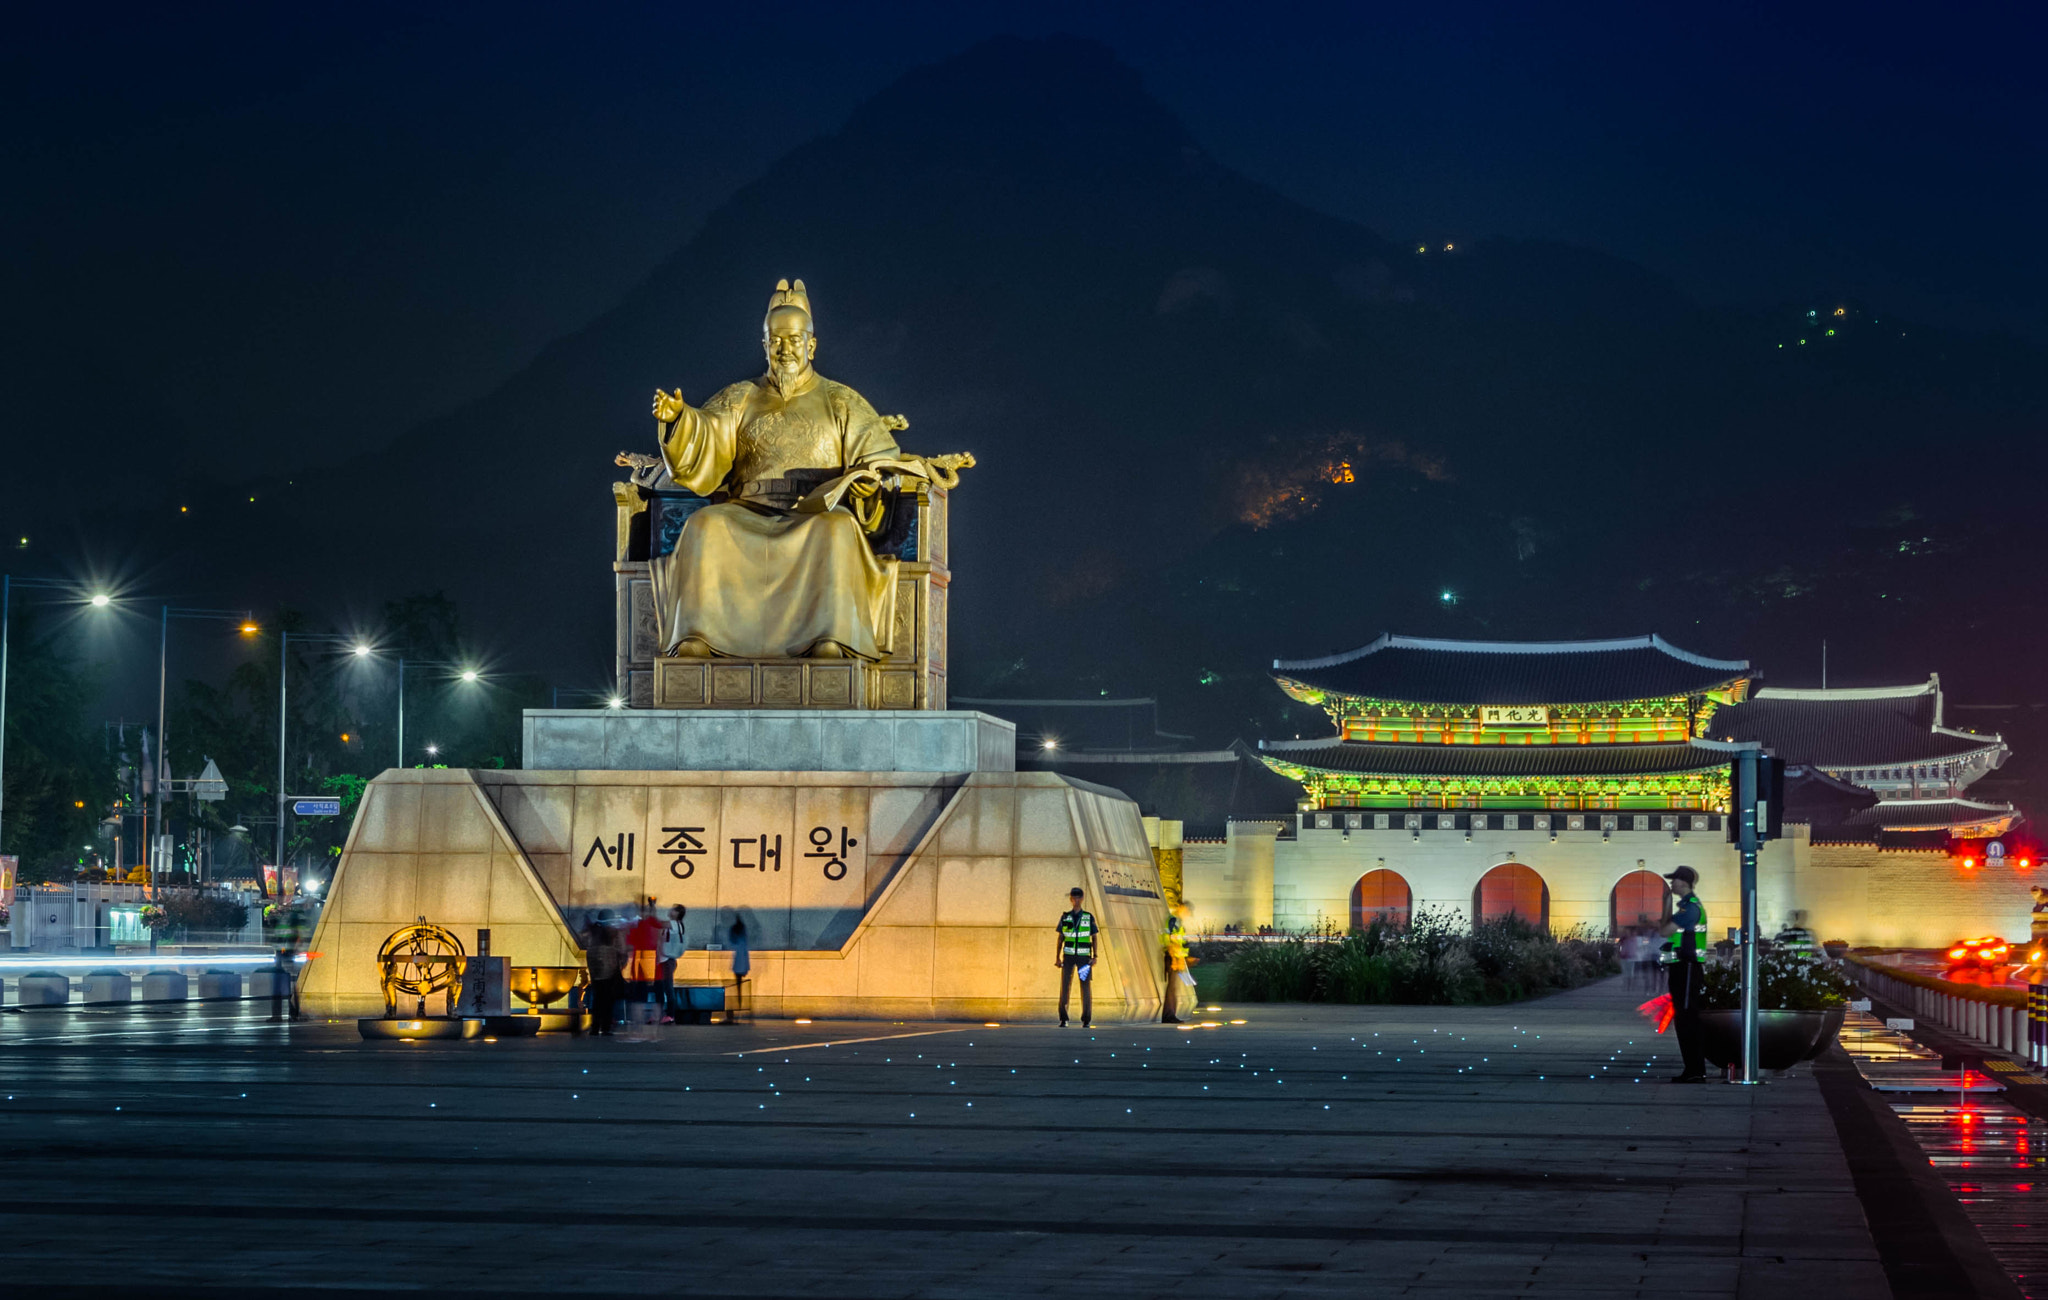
{"type": "Point", "coordinates": [1559, 781]}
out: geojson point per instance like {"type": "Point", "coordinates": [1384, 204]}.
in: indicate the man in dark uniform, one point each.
{"type": "Point", "coordinates": [1684, 956]}
{"type": "Point", "coordinates": [1074, 954]}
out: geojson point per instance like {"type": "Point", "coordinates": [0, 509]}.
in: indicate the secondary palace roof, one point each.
{"type": "Point", "coordinates": [1428, 670]}
{"type": "Point", "coordinates": [1205, 790]}
{"type": "Point", "coordinates": [1868, 727]}
{"type": "Point", "coordinates": [1938, 815]}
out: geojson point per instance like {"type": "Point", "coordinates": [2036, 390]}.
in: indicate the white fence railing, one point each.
{"type": "Point", "coordinates": [2008, 1019]}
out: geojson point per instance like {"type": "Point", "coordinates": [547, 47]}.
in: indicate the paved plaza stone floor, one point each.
{"type": "Point", "coordinates": [1308, 1150]}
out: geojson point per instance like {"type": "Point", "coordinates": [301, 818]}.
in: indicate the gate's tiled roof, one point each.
{"type": "Point", "coordinates": [1427, 670]}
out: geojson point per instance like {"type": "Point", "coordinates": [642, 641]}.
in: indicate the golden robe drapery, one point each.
{"type": "Point", "coordinates": [750, 576]}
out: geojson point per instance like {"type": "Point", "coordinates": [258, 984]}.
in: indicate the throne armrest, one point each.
{"type": "Point", "coordinates": [668, 509]}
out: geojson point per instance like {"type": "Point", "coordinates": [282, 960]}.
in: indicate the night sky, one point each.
{"type": "Point", "coordinates": [248, 242]}
{"type": "Point", "coordinates": [290, 231]}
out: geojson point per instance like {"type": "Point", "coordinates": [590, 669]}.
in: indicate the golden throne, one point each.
{"type": "Point", "coordinates": [651, 513]}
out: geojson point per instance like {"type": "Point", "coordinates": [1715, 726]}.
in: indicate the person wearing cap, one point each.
{"type": "Point", "coordinates": [1684, 956]}
{"type": "Point", "coordinates": [1074, 954]}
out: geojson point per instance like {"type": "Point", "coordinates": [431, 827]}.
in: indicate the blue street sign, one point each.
{"type": "Point", "coordinates": [317, 807]}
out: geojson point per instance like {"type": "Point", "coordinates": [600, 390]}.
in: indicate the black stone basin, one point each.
{"type": "Point", "coordinates": [1784, 1038]}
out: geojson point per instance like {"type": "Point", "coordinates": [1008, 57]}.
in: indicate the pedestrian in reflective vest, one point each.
{"type": "Point", "coordinates": [1075, 956]}
{"type": "Point", "coordinates": [1684, 956]}
{"type": "Point", "coordinates": [1176, 942]}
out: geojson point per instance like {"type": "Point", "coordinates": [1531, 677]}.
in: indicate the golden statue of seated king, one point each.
{"type": "Point", "coordinates": [780, 564]}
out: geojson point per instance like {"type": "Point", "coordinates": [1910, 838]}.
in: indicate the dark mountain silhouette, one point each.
{"type": "Point", "coordinates": [1170, 373]}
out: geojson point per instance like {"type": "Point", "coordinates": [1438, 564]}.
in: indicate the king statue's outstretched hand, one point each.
{"type": "Point", "coordinates": [668, 406]}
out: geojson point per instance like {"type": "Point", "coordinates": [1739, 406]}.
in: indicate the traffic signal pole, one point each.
{"type": "Point", "coordinates": [1749, 832]}
{"type": "Point", "coordinates": [1756, 781]}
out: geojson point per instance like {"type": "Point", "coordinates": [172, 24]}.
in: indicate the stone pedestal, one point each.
{"type": "Point", "coordinates": [886, 894]}
{"type": "Point", "coordinates": [782, 740]}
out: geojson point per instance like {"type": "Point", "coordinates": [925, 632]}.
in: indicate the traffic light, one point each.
{"type": "Point", "coordinates": [1761, 782]}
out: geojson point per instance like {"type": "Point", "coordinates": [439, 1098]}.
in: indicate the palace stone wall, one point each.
{"type": "Point", "coordinates": [1868, 896]}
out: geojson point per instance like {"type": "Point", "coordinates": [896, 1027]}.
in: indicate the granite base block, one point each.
{"type": "Point", "coordinates": [873, 895]}
{"type": "Point", "coordinates": [754, 740]}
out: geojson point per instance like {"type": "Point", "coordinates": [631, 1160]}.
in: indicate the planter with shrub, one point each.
{"type": "Point", "coordinates": [1800, 1005]}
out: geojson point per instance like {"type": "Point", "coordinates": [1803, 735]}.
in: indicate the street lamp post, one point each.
{"type": "Point", "coordinates": [246, 620]}
{"type": "Point", "coordinates": [8, 582]}
{"type": "Point", "coordinates": [465, 672]}
{"type": "Point", "coordinates": [284, 651]}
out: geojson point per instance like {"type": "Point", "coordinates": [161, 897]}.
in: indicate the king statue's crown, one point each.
{"type": "Point", "coordinates": [786, 296]}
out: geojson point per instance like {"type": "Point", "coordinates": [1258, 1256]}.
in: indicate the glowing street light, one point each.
{"type": "Point", "coordinates": [469, 674]}
{"type": "Point", "coordinates": [284, 654]}
{"type": "Point", "coordinates": [100, 600]}
{"type": "Point", "coordinates": [362, 652]}
{"type": "Point", "coordinates": [617, 703]}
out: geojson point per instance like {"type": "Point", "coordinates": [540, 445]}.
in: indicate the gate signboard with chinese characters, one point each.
{"type": "Point", "coordinates": [1513, 715]}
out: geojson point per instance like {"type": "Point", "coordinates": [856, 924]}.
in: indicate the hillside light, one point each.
{"type": "Point", "coordinates": [250, 629]}
{"type": "Point", "coordinates": [433, 749]}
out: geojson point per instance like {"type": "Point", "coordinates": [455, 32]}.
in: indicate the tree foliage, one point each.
{"type": "Point", "coordinates": [59, 773]}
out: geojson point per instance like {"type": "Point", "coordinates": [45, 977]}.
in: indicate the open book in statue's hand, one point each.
{"type": "Point", "coordinates": [942, 470]}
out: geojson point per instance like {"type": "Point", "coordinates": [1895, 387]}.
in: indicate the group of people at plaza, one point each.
{"type": "Point", "coordinates": [632, 967]}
